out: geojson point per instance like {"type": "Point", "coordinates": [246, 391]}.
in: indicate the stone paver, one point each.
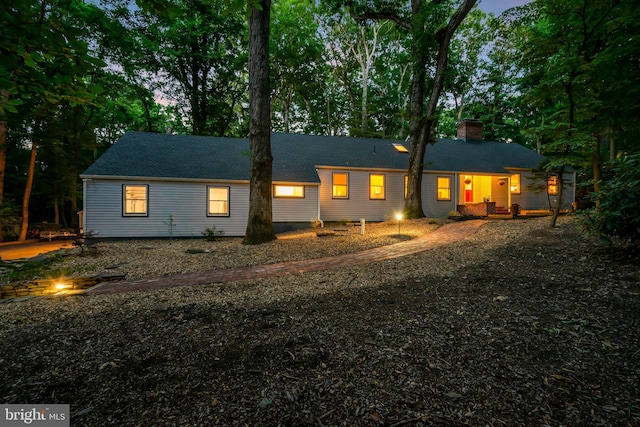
{"type": "Point", "coordinates": [446, 234]}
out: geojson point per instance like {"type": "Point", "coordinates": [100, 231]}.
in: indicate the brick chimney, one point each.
{"type": "Point", "coordinates": [469, 129]}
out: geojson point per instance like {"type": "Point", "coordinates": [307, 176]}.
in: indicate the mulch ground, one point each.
{"type": "Point", "coordinates": [540, 330]}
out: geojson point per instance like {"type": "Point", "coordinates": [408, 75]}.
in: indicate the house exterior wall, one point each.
{"type": "Point", "coordinates": [358, 205]}
{"type": "Point", "coordinates": [187, 203]}
{"type": "Point", "coordinates": [432, 207]}
{"type": "Point", "coordinates": [287, 210]}
{"type": "Point", "coordinates": [533, 193]}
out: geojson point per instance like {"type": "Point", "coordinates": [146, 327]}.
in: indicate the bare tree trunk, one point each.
{"type": "Point", "coordinates": [597, 165]}
{"type": "Point", "coordinates": [3, 163]}
{"type": "Point", "coordinates": [556, 209]}
{"type": "Point", "coordinates": [56, 207]}
{"type": "Point", "coordinates": [413, 202]}
{"type": "Point", "coordinates": [423, 123]}
{"type": "Point", "coordinates": [4, 97]}
{"type": "Point", "coordinates": [365, 55]}
{"type": "Point", "coordinates": [612, 147]}
{"type": "Point", "coordinates": [27, 192]}
{"type": "Point", "coordinates": [260, 222]}
{"type": "Point", "coordinates": [286, 113]}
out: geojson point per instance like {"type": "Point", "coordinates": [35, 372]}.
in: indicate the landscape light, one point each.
{"type": "Point", "coordinates": [399, 217]}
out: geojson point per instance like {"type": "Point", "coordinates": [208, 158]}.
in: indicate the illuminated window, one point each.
{"type": "Point", "coordinates": [376, 186]}
{"type": "Point", "coordinates": [340, 185]}
{"type": "Point", "coordinates": [552, 185]}
{"type": "Point", "coordinates": [134, 200]}
{"type": "Point", "coordinates": [218, 201]}
{"type": "Point", "coordinates": [515, 183]}
{"type": "Point", "coordinates": [294, 191]}
{"type": "Point", "coordinates": [444, 188]}
{"type": "Point", "coordinates": [401, 148]}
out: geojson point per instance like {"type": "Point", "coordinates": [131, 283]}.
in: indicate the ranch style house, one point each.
{"type": "Point", "coordinates": [146, 181]}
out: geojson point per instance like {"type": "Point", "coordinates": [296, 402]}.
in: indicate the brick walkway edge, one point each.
{"type": "Point", "coordinates": [446, 234]}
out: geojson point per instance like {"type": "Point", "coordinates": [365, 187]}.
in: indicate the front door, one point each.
{"type": "Point", "coordinates": [468, 189]}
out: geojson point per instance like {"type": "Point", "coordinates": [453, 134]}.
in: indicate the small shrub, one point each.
{"type": "Point", "coordinates": [171, 225]}
{"type": "Point", "coordinates": [211, 234]}
{"type": "Point", "coordinates": [316, 223]}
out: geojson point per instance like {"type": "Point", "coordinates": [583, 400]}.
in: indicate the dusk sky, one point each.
{"type": "Point", "coordinates": [498, 6]}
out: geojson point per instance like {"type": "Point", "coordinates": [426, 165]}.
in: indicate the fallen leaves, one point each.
{"type": "Point", "coordinates": [468, 334]}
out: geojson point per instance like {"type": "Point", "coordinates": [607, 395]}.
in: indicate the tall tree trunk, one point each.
{"type": "Point", "coordinates": [4, 97]}
{"type": "Point", "coordinates": [3, 163]}
{"type": "Point", "coordinates": [556, 209]}
{"type": "Point", "coordinates": [612, 146]}
{"type": "Point", "coordinates": [27, 192]}
{"type": "Point", "coordinates": [597, 164]}
{"type": "Point", "coordinates": [56, 206]}
{"type": "Point", "coordinates": [413, 202]}
{"type": "Point", "coordinates": [422, 123]}
{"type": "Point", "coordinates": [260, 222]}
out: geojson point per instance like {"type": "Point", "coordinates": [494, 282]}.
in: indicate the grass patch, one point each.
{"type": "Point", "coordinates": [11, 272]}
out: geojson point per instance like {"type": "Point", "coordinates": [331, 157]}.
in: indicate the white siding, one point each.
{"type": "Point", "coordinates": [432, 207]}
{"type": "Point", "coordinates": [187, 202]}
{"type": "Point", "coordinates": [290, 210]}
{"type": "Point", "coordinates": [533, 192]}
{"type": "Point", "coordinates": [358, 205]}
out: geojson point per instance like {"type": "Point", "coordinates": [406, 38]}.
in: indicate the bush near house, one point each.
{"type": "Point", "coordinates": [617, 216]}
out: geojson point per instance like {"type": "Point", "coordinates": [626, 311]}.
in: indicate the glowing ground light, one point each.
{"type": "Point", "coordinates": [60, 286]}
{"type": "Point", "coordinates": [399, 217]}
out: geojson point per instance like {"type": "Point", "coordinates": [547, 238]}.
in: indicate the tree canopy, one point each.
{"type": "Point", "coordinates": [558, 76]}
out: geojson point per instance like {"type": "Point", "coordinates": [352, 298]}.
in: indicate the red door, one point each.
{"type": "Point", "coordinates": [468, 189]}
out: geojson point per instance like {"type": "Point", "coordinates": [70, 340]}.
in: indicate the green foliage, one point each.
{"type": "Point", "coordinates": [211, 234]}
{"type": "Point", "coordinates": [171, 224]}
{"type": "Point", "coordinates": [38, 268]}
{"type": "Point", "coordinates": [617, 216]}
{"type": "Point", "coordinates": [9, 220]}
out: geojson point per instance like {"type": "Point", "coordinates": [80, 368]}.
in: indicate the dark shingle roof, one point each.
{"type": "Point", "coordinates": [140, 154]}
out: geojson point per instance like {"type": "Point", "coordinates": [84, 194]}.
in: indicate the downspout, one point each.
{"type": "Point", "coordinates": [84, 205]}
{"type": "Point", "coordinates": [319, 220]}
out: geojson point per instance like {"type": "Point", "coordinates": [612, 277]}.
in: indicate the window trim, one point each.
{"type": "Point", "coordinates": [124, 201]}
{"type": "Point", "coordinates": [333, 176]}
{"type": "Point", "coordinates": [406, 186]}
{"type": "Point", "coordinates": [384, 186]}
{"type": "Point", "coordinates": [208, 201]}
{"type": "Point", "coordinates": [519, 191]}
{"type": "Point", "coordinates": [288, 197]}
{"type": "Point", "coordinates": [442, 199]}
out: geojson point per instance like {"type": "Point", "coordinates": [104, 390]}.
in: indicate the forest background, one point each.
{"type": "Point", "coordinates": [561, 77]}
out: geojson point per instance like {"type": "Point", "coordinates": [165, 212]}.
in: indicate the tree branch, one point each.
{"type": "Point", "coordinates": [381, 16]}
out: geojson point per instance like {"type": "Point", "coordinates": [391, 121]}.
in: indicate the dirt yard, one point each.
{"type": "Point", "coordinates": [518, 325]}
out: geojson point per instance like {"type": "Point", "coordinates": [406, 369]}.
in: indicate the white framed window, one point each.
{"type": "Point", "coordinates": [340, 185]}
{"type": "Point", "coordinates": [217, 201]}
{"type": "Point", "coordinates": [376, 186]}
{"type": "Point", "coordinates": [444, 188]}
{"type": "Point", "coordinates": [290, 191]}
{"type": "Point", "coordinates": [135, 200]}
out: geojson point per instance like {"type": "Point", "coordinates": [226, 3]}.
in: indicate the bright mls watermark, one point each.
{"type": "Point", "coordinates": [35, 415]}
